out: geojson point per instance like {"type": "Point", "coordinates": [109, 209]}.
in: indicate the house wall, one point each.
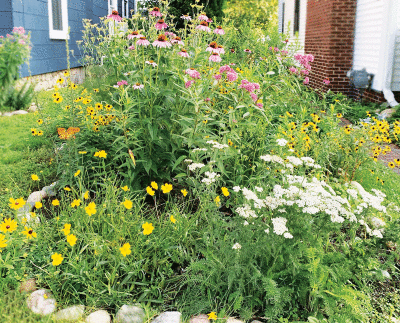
{"type": "Point", "coordinates": [395, 85]}
{"type": "Point", "coordinates": [289, 24]}
{"type": "Point", "coordinates": [6, 19]}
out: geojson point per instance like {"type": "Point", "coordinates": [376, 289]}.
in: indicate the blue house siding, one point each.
{"type": "Point", "coordinates": [6, 19]}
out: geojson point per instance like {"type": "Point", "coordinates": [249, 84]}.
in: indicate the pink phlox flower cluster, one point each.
{"type": "Point", "coordinates": [249, 87]}
{"type": "Point", "coordinates": [275, 49]}
{"type": "Point", "coordinates": [22, 42]}
{"type": "Point", "coordinates": [131, 47]}
{"type": "Point", "coordinates": [306, 80]}
{"type": "Point", "coordinates": [217, 76]}
{"type": "Point", "coordinates": [254, 97]}
{"type": "Point", "coordinates": [284, 52]}
{"type": "Point", "coordinates": [293, 70]}
{"type": "Point", "coordinates": [188, 84]}
{"type": "Point", "coordinates": [326, 81]}
{"type": "Point", "coordinates": [304, 60]}
{"type": "Point", "coordinates": [304, 72]}
{"type": "Point", "coordinates": [231, 75]}
{"type": "Point", "coordinates": [193, 73]}
{"type": "Point", "coordinates": [123, 82]}
{"type": "Point", "coordinates": [260, 105]}
{"type": "Point", "coordinates": [19, 30]}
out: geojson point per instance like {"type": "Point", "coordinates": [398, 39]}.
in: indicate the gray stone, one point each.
{"type": "Point", "coordinates": [35, 197]}
{"type": "Point", "coordinates": [28, 285]}
{"type": "Point", "coordinates": [7, 114]}
{"type": "Point", "coordinates": [33, 107]}
{"type": "Point", "coordinates": [41, 302]}
{"type": "Point", "coordinates": [233, 320]}
{"type": "Point", "coordinates": [19, 112]}
{"type": "Point", "coordinates": [100, 316]}
{"type": "Point", "coordinates": [387, 113]}
{"type": "Point", "coordinates": [202, 318]}
{"type": "Point", "coordinates": [130, 314]}
{"type": "Point", "coordinates": [168, 317]}
{"type": "Point", "coordinates": [255, 321]}
{"type": "Point", "coordinates": [50, 190]}
{"type": "Point", "coordinates": [72, 313]}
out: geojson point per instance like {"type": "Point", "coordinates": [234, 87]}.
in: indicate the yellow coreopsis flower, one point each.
{"type": "Point", "coordinates": [100, 154]}
{"type": "Point", "coordinates": [125, 249]}
{"type": "Point", "coordinates": [212, 316]}
{"type": "Point", "coordinates": [184, 192]}
{"type": "Point", "coordinates": [147, 228]}
{"type": "Point", "coordinates": [150, 191]}
{"type": "Point", "coordinates": [86, 195]}
{"type": "Point", "coordinates": [71, 239]}
{"type": "Point", "coordinates": [77, 173]}
{"type": "Point", "coordinates": [154, 185]}
{"type": "Point", "coordinates": [172, 219]}
{"type": "Point", "coordinates": [55, 202]}
{"type": "Point", "coordinates": [76, 203]}
{"type": "Point", "coordinates": [8, 225]}
{"type": "Point", "coordinates": [217, 200]}
{"type": "Point", "coordinates": [125, 188]}
{"type": "Point", "coordinates": [57, 259]}
{"type": "Point", "coordinates": [38, 205]}
{"type": "Point", "coordinates": [166, 188]}
{"type": "Point", "coordinates": [29, 233]}
{"type": "Point", "coordinates": [128, 204]}
{"type": "Point", "coordinates": [225, 191]}
{"type": "Point", "coordinates": [67, 229]}
{"type": "Point", "coordinates": [91, 209]}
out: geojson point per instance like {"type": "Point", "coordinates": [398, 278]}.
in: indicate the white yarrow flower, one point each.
{"type": "Point", "coordinates": [237, 246]}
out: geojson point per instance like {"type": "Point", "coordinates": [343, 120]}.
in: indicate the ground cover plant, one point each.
{"type": "Point", "coordinates": [202, 175]}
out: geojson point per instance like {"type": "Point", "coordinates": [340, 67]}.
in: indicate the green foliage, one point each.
{"type": "Point", "coordinates": [18, 99]}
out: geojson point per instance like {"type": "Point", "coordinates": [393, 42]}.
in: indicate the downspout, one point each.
{"type": "Point", "coordinates": [134, 7]}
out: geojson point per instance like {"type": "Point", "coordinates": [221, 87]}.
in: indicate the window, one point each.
{"type": "Point", "coordinates": [296, 26]}
{"type": "Point", "coordinates": [283, 18]}
{"type": "Point", "coordinates": [58, 19]}
{"type": "Point", "coordinates": [125, 9]}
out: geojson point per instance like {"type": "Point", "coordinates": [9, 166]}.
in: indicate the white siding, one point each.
{"type": "Point", "coordinates": [289, 22]}
{"type": "Point", "coordinates": [395, 86]}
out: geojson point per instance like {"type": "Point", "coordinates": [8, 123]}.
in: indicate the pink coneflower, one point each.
{"type": "Point", "coordinates": [202, 17]}
{"type": "Point", "coordinates": [326, 81]}
{"type": "Point", "coordinates": [134, 34]}
{"type": "Point", "coordinates": [247, 50]}
{"type": "Point", "coordinates": [123, 82]}
{"type": "Point", "coordinates": [212, 47]}
{"type": "Point", "coordinates": [209, 20]}
{"type": "Point", "coordinates": [219, 31]}
{"type": "Point", "coordinates": [204, 26]}
{"type": "Point", "coordinates": [115, 16]}
{"type": "Point", "coordinates": [162, 42]}
{"type": "Point", "coordinates": [232, 50]}
{"type": "Point", "coordinates": [220, 49]}
{"type": "Point", "coordinates": [188, 84]}
{"type": "Point", "coordinates": [183, 53]}
{"type": "Point", "coordinates": [138, 86]}
{"type": "Point", "coordinates": [161, 25]}
{"type": "Point", "coordinates": [155, 12]}
{"type": "Point", "coordinates": [232, 76]}
{"type": "Point", "coordinates": [306, 80]}
{"type": "Point", "coordinates": [217, 76]}
{"type": "Point", "coordinates": [131, 47]}
{"type": "Point", "coordinates": [186, 17]}
{"type": "Point", "coordinates": [142, 42]}
{"type": "Point", "coordinates": [177, 40]}
{"type": "Point", "coordinates": [152, 63]}
{"type": "Point", "coordinates": [193, 73]}
{"type": "Point", "coordinates": [215, 58]}
{"type": "Point", "coordinates": [170, 34]}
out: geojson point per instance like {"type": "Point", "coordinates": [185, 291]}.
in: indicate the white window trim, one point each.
{"type": "Point", "coordinates": [125, 9]}
{"type": "Point", "coordinates": [59, 34]}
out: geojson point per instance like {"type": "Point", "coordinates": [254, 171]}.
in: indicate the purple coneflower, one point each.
{"type": "Point", "coordinates": [131, 47]}
{"type": "Point", "coordinates": [188, 84]}
{"type": "Point", "coordinates": [204, 26]}
{"type": "Point", "coordinates": [220, 49]}
{"type": "Point", "coordinates": [193, 73]}
{"type": "Point", "coordinates": [232, 50]}
{"type": "Point", "coordinates": [152, 63]}
{"type": "Point", "coordinates": [115, 16]}
{"type": "Point", "coordinates": [142, 42]}
{"type": "Point", "coordinates": [160, 25]}
{"type": "Point", "coordinates": [170, 34]}
{"type": "Point", "coordinates": [247, 50]}
{"type": "Point", "coordinates": [177, 40]}
{"type": "Point", "coordinates": [134, 34]}
{"type": "Point", "coordinates": [212, 47]}
{"type": "Point", "coordinates": [156, 12]}
{"type": "Point", "coordinates": [202, 17]}
{"type": "Point", "coordinates": [215, 58]}
{"type": "Point", "coordinates": [219, 31]}
{"type": "Point", "coordinates": [186, 17]}
{"type": "Point", "coordinates": [183, 53]}
{"type": "Point", "coordinates": [138, 86]}
{"type": "Point", "coordinates": [162, 42]}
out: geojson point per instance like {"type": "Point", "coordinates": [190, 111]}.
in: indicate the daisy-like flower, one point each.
{"type": "Point", "coordinates": [212, 316]}
{"type": "Point", "coordinates": [58, 99]}
{"type": "Point", "coordinates": [91, 209]}
{"type": "Point", "coordinates": [138, 86]}
{"type": "Point", "coordinates": [193, 73]}
{"type": "Point", "coordinates": [204, 27]}
{"type": "Point", "coordinates": [71, 239]}
{"type": "Point", "coordinates": [35, 177]}
{"type": "Point", "coordinates": [75, 203]}
{"type": "Point", "coordinates": [172, 219]}
{"type": "Point", "coordinates": [125, 188]}
{"type": "Point", "coordinates": [38, 205]}
{"type": "Point", "coordinates": [147, 228]}
{"type": "Point", "coordinates": [162, 42]}
{"type": "Point", "coordinates": [220, 49]}
{"type": "Point", "coordinates": [100, 154]}
{"type": "Point", "coordinates": [131, 47]}
{"type": "Point", "coordinates": [34, 131]}
{"type": "Point", "coordinates": [60, 81]}
{"type": "Point", "coordinates": [215, 58]}
{"type": "Point", "coordinates": [177, 40]}
{"type": "Point", "coordinates": [339, 115]}
{"type": "Point", "coordinates": [86, 195]}
{"type": "Point", "coordinates": [161, 25]}
{"type": "Point", "coordinates": [183, 53]}
{"type": "Point", "coordinates": [217, 200]}
{"type": "Point", "coordinates": [202, 17]}
{"type": "Point", "coordinates": [150, 191]}
{"type": "Point", "coordinates": [232, 50]}
{"type": "Point", "coordinates": [225, 191]}
{"type": "Point", "coordinates": [155, 12]}
{"type": "Point", "coordinates": [134, 34]}
{"type": "Point", "coordinates": [142, 42]}
{"type": "Point", "coordinates": [3, 241]}
{"type": "Point", "coordinates": [66, 73]}
{"type": "Point", "coordinates": [114, 16]}
{"type": "Point", "coordinates": [219, 31]}
{"type": "Point", "coordinates": [57, 259]}
{"type": "Point", "coordinates": [186, 17]}
{"type": "Point", "coordinates": [127, 204]}
{"type": "Point", "coordinates": [184, 192]}
{"type": "Point", "coordinates": [40, 121]}
{"type": "Point", "coordinates": [154, 185]}
{"type": "Point", "coordinates": [212, 47]}
{"type": "Point", "coordinates": [29, 233]}
{"type": "Point", "coordinates": [8, 225]}
{"type": "Point", "coordinates": [55, 202]}
{"type": "Point", "coordinates": [166, 188]}
{"type": "Point", "coordinates": [152, 63]}
{"type": "Point", "coordinates": [67, 229]}
{"type": "Point", "coordinates": [247, 50]}
{"type": "Point", "coordinates": [391, 165]}
{"type": "Point", "coordinates": [125, 249]}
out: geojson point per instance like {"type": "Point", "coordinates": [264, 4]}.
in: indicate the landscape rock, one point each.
{"type": "Point", "coordinates": [28, 285]}
{"type": "Point", "coordinates": [7, 114]}
{"type": "Point", "coordinates": [233, 320]}
{"type": "Point", "coordinates": [255, 321]}
{"type": "Point", "coordinates": [72, 313]}
{"type": "Point", "coordinates": [41, 302]}
{"type": "Point", "coordinates": [202, 318]}
{"type": "Point", "coordinates": [33, 107]}
{"type": "Point", "coordinates": [387, 113]}
{"type": "Point", "coordinates": [19, 112]}
{"type": "Point", "coordinates": [130, 314]}
{"type": "Point", "coordinates": [100, 316]}
{"type": "Point", "coordinates": [35, 197]}
{"type": "Point", "coordinates": [50, 190]}
{"type": "Point", "coordinates": [168, 317]}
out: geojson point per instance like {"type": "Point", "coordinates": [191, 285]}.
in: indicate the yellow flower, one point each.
{"type": "Point", "coordinates": [212, 316]}
{"type": "Point", "coordinates": [125, 188]}
{"type": "Point", "coordinates": [60, 81]}
{"type": "Point", "coordinates": [391, 165]}
{"type": "Point", "coordinates": [34, 131]}
{"type": "Point", "coordinates": [66, 73]}
{"type": "Point", "coordinates": [128, 204]}
{"type": "Point", "coordinates": [77, 173]}
{"type": "Point", "coordinates": [68, 189]}
{"type": "Point", "coordinates": [67, 229]}
{"type": "Point", "coordinates": [225, 191]}
{"type": "Point", "coordinates": [125, 249]}
{"type": "Point", "coordinates": [147, 228]}
{"type": "Point", "coordinates": [40, 121]}
{"type": "Point", "coordinates": [29, 233]}
{"type": "Point", "coordinates": [3, 241]}
{"type": "Point", "coordinates": [56, 88]}
{"type": "Point", "coordinates": [32, 214]}
{"type": "Point", "coordinates": [100, 154]}
{"type": "Point", "coordinates": [71, 239]}
{"type": "Point", "coordinates": [40, 133]}
{"type": "Point", "coordinates": [57, 259]}
{"type": "Point", "coordinates": [58, 99]}
{"type": "Point", "coordinates": [154, 185]}
{"type": "Point", "coordinates": [38, 205]}
{"type": "Point", "coordinates": [91, 209]}
{"type": "Point", "coordinates": [55, 202]}
{"type": "Point", "coordinates": [184, 192]}
{"type": "Point", "coordinates": [172, 219]}
{"type": "Point", "coordinates": [35, 177]}
{"type": "Point", "coordinates": [96, 90]}
{"type": "Point", "coordinates": [76, 203]}
{"type": "Point", "coordinates": [8, 225]}
{"type": "Point", "coordinates": [149, 191]}
{"type": "Point", "coordinates": [86, 195]}
{"type": "Point", "coordinates": [82, 152]}
{"type": "Point", "coordinates": [16, 204]}
{"type": "Point", "coordinates": [339, 115]}
{"type": "Point", "coordinates": [166, 188]}
{"type": "Point", "coordinates": [217, 200]}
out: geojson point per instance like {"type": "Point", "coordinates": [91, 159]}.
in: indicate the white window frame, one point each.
{"type": "Point", "coordinates": [125, 9]}
{"type": "Point", "coordinates": [59, 34]}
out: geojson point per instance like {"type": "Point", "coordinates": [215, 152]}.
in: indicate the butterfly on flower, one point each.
{"type": "Point", "coordinates": [67, 133]}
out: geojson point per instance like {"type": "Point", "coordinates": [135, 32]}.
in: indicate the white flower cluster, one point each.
{"type": "Point", "coordinates": [273, 159]}
{"type": "Point", "coordinates": [211, 177]}
{"type": "Point", "coordinates": [236, 246]}
{"type": "Point", "coordinates": [369, 199]}
{"type": "Point", "coordinates": [291, 161]}
{"type": "Point", "coordinates": [246, 212]}
{"type": "Point", "coordinates": [198, 149]}
{"type": "Point", "coordinates": [195, 166]}
{"type": "Point", "coordinates": [281, 142]}
{"type": "Point", "coordinates": [280, 227]}
{"type": "Point", "coordinates": [217, 145]}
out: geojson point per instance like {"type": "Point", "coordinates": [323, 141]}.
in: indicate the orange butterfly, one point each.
{"type": "Point", "coordinates": [67, 134]}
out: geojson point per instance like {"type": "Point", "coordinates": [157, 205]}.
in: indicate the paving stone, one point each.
{"type": "Point", "coordinates": [233, 320]}
{"type": "Point", "coordinates": [130, 314]}
{"type": "Point", "coordinates": [168, 317]}
{"type": "Point", "coordinates": [41, 302]}
{"type": "Point", "coordinates": [72, 313]}
{"type": "Point", "coordinates": [19, 112]}
{"type": "Point", "coordinates": [100, 316]}
{"type": "Point", "coordinates": [202, 318]}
